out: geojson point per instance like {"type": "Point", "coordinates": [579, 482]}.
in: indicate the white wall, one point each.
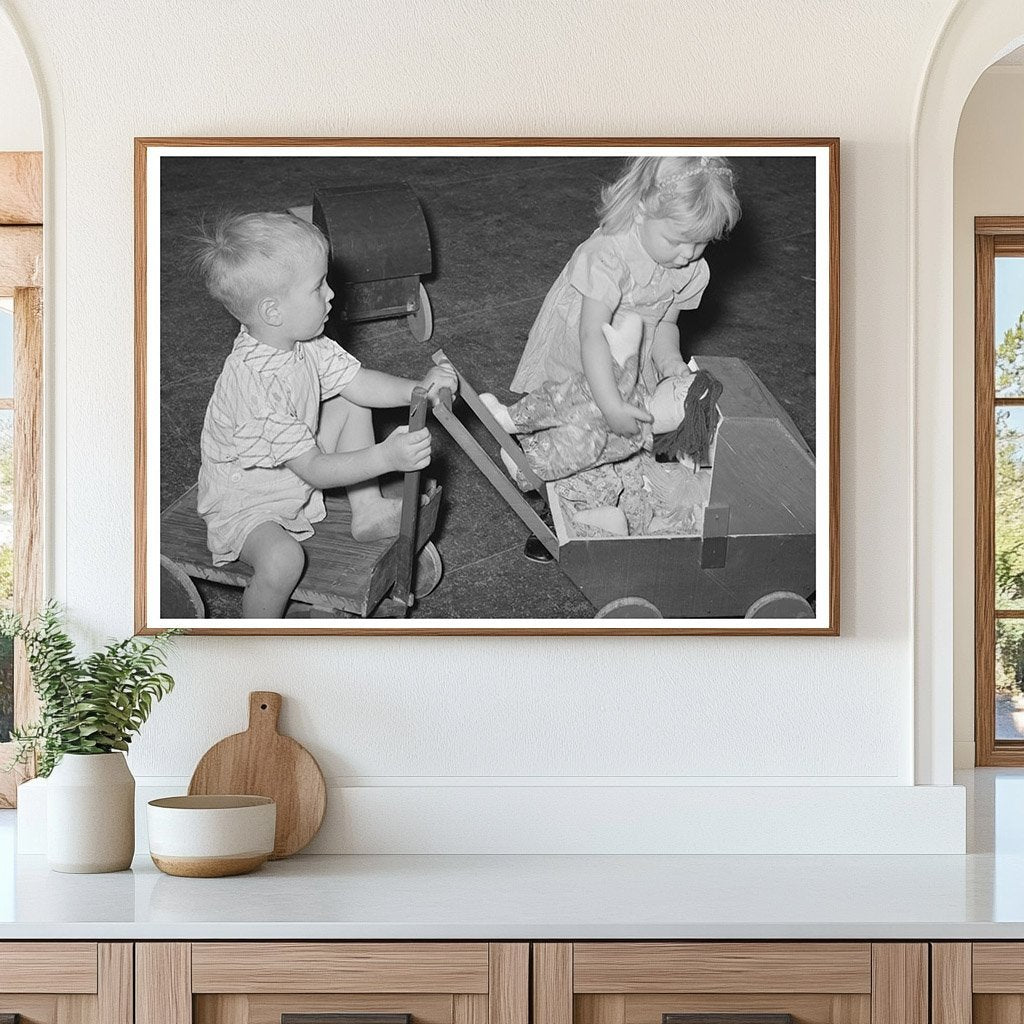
{"type": "Point", "coordinates": [988, 181]}
{"type": "Point", "coordinates": [432, 716]}
{"type": "Point", "coordinates": [21, 127]}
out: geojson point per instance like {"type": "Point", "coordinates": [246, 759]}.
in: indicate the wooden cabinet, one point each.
{"type": "Point", "coordinates": [494, 983]}
{"type": "Point", "coordinates": [66, 982]}
{"type": "Point", "coordinates": [650, 982]}
{"type": "Point", "coordinates": [259, 982]}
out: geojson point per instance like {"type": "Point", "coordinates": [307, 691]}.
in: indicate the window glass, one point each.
{"type": "Point", "coordinates": [6, 350]}
{"type": "Point", "coordinates": [1009, 512]}
{"type": "Point", "coordinates": [1009, 327]}
{"type": "Point", "coordinates": [6, 567]}
{"type": "Point", "coordinates": [6, 690]}
{"type": "Point", "coordinates": [1009, 679]}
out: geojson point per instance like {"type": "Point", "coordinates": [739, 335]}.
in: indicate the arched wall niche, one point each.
{"type": "Point", "coordinates": [986, 182]}
{"type": "Point", "coordinates": [976, 34]}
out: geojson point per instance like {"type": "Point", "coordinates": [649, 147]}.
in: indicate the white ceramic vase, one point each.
{"type": "Point", "coordinates": [90, 814]}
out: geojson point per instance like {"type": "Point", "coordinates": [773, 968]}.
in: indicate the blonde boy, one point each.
{"type": "Point", "coordinates": [290, 412]}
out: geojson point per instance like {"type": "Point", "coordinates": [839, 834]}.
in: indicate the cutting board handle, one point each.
{"type": "Point", "coordinates": [264, 710]}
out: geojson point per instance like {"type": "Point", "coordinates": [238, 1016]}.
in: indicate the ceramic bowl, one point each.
{"type": "Point", "coordinates": [211, 836]}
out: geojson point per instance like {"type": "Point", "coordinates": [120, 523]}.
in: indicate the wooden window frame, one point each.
{"type": "Point", "coordinates": [21, 278]}
{"type": "Point", "coordinates": [993, 236]}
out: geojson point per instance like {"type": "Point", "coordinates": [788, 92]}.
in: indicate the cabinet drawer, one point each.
{"type": "Point", "coordinates": [736, 982]}
{"type": "Point", "coordinates": [340, 967]}
{"type": "Point", "coordinates": [634, 967]}
{"type": "Point", "coordinates": [998, 967]}
{"type": "Point", "coordinates": [263, 982]}
{"type": "Point", "coordinates": [66, 967]}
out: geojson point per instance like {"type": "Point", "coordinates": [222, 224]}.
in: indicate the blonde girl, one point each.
{"type": "Point", "coordinates": [646, 258]}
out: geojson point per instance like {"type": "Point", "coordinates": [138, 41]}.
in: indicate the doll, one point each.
{"type": "Point", "coordinates": [563, 432]}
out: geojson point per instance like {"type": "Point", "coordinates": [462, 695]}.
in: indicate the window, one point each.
{"type": "Point", "coordinates": [6, 510]}
{"type": "Point", "coordinates": [999, 490]}
{"type": "Point", "coordinates": [21, 252]}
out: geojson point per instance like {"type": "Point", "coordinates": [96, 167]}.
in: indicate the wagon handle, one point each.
{"type": "Point", "coordinates": [494, 428]}
{"type": "Point", "coordinates": [497, 476]}
{"type": "Point", "coordinates": [402, 592]}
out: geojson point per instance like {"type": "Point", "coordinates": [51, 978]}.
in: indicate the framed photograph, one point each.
{"type": "Point", "coordinates": [491, 386]}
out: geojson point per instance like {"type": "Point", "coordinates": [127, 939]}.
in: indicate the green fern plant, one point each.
{"type": "Point", "coordinates": [90, 705]}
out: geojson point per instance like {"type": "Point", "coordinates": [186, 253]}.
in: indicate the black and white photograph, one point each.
{"type": "Point", "coordinates": [487, 386]}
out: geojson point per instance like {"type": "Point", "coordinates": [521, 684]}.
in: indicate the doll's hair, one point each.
{"type": "Point", "coordinates": [696, 430]}
{"type": "Point", "coordinates": [696, 191]}
{"type": "Point", "coordinates": [242, 258]}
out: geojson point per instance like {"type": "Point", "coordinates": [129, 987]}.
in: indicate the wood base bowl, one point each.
{"type": "Point", "coordinates": [211, 836]}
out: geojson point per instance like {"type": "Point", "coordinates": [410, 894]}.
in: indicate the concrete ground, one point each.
{"type": "Point", "coordinates": [501, 229]}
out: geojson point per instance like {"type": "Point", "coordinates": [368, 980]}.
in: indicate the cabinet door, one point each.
{"type": "Point", "coordinates": [730, 983]}
{"type": "Point", "coordinates": [332, 983]}
{"type": "Point", "coordinates": [981, 982]}
{"type": "Point", "coordinates": [66, 982]}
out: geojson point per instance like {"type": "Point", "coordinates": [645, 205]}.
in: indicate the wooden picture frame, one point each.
{"type": "Point", "coordinates": [464, 237]}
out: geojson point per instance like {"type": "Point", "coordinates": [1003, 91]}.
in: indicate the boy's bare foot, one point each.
{"type": "Point", "coordinates": [377, 520]}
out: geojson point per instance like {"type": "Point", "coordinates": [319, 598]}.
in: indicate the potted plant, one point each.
{"type": "Point", "coordinates": [89, 710]}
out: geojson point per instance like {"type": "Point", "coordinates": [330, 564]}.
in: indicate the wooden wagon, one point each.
{"type": "Point", "coordinates": [755, 554]}
{"type": "Point", "coordinates": [343, 576]}
{"type": "Point", "coordinates": [379, 249]}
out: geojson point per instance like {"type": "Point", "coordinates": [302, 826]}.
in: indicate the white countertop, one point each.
{"type": "Point", "coordinates": [517, 897]}
{"type": "Point", "coordinates": [976, 896]}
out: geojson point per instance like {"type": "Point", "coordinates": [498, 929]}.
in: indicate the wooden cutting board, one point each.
{"type": "Point", "coordinates": [262, 762]}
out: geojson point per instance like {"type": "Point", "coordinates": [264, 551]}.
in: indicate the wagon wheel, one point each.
{"type": "Point", "coordinates": [426, 578]}
{"type": "Point", "coordinates": [421, 323]}
{"type": "Point", "coordinates": [783, 604]}
{"type": "Point", "coordinates": [179, 598]}
{"type": "Point", "coordinates": [629, 608]}
{"type": "Point", "coordinates": [428, 571]}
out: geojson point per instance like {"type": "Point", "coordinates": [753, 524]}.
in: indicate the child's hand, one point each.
{"type": "Point", "coordinates": [441, 376]}
{"type": "Point", "coordinates": [405, 452]}
{"type": "Point", "coordinates": [626, 419]}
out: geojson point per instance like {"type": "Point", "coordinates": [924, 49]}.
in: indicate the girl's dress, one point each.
{"type": "Point", "coordinates": [265, 410]}
{"type": "Point", "coordinates": [615, 270]}
{"type": "Point", "coordinates": [563, 432]}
